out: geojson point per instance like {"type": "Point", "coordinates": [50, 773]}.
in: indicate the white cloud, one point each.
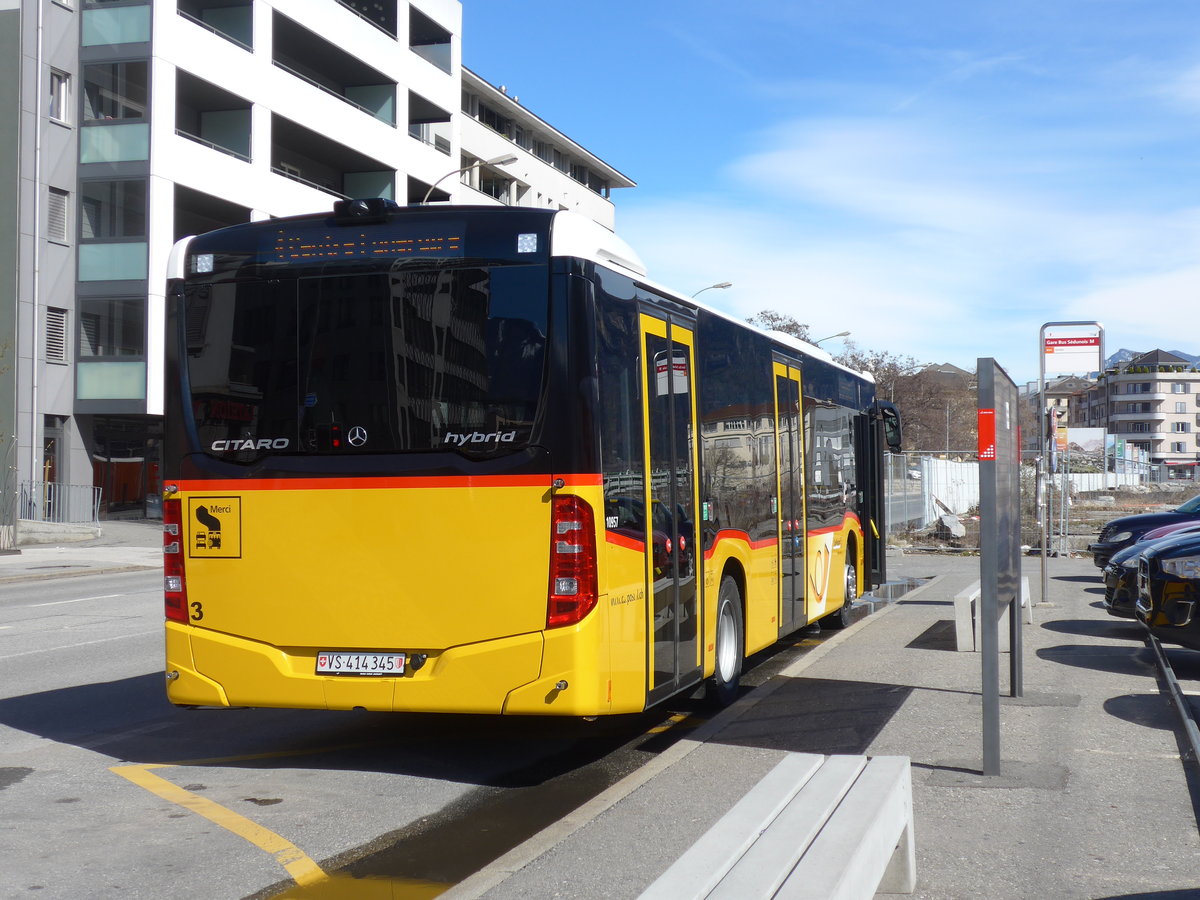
{"type": "Point", "coordinates": [928, 243]}
{"type": "Point", "coordinates": [1156, 310]}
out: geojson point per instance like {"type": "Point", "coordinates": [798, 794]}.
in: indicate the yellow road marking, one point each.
{"type": "Point", "coordinates": [667, 725]}
{"type": "Point", "coordinates": [297, 863]}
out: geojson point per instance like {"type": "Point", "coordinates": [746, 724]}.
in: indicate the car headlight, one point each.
{"type": "Point", "coordinates": [1182, 566]}
{"type": "Point", "coordinates": [1120, 536]}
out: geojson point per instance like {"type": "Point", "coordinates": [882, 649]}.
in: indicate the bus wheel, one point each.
{"type": "Point", "coordinates": [722, 688]}
{"type": "Point", "coordinates": [844, 618]}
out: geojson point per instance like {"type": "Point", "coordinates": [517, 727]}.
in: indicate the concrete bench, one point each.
{"type": "Point", "coordinates": [968, 622]}
{"type": "Point", "coordinates": [815, 827]}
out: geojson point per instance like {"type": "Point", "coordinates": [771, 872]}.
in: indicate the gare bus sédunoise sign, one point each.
{"type": "Point", "coordinates": [1072, 348]}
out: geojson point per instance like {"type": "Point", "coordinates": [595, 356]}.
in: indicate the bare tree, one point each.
{"type": "Point", "coordinates": [937, 403]}
{"type": "Point", "coordinates": [887, 368]}
{"type": "Point", "coordinates": [769, 320]}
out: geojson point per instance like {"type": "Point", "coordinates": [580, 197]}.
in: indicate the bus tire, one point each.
{"type": "Point", "coordinates": [722, 687]}
{"type": "Point", "coordinates": [844, 617]}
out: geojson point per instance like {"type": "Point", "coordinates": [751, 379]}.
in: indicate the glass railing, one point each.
{"type": "Point", "coordinates": [386, 113]}
{"type": "Point", "coordinates": [215, 30]}
{"type": "Point", "coordinates": [212, 146]}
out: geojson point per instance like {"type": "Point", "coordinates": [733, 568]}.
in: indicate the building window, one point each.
{"type": "Point", "coordinates": [56, 335]}
{"type": "Point", "coordinates": [112, 219]}
{"type": "Point", "coordinates": [119, 25]}
{"type": "Point", "coordinates": [111, 327]}
{"type": "Point", "coordinates": [1181, 406]}
{"type": "Point", "coordinates": [114, 91]}
{"type": "Point", "coordinates": [113, 209]}
{"type": "Point", "coordinates": [60, 97]}
{"type": "Point", "coordinates": [1179, 388]}
{"type": "Point", "coordinates": [1181, 427]}
{"type": "Point", "coordinates": [1178, 447]}
{"type": "Point", "coordinates": [58, 215]}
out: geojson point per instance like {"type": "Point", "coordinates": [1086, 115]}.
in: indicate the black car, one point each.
{"type": "Point", "coordinates": [1169, 588]}
{"type": "Point", "coordinates": [1124, 531]}
{"type": "Point", "coordinates": [1120, 581]}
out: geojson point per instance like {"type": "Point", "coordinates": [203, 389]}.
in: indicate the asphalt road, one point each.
{"type": "Point", "coordinates": [109, 791]}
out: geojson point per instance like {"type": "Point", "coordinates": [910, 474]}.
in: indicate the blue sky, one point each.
{"type": "Point", "coordinates": [939, 178]}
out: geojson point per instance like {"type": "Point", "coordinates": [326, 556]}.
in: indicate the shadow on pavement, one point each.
{"type": "Point", "coordinates": [818, 715]}
{"type": "Point", "coordinates": [1147, 710]}
{"type": "Point", "coordinates": [1131, 660]}
{"type": "Point", "coordinates": [941, 635]}
{"type": "Point", "coordinates": [1109, 626]}
{"type": "Point", "coordinates": [131, 720]}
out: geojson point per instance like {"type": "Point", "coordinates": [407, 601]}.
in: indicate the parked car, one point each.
{"type": "Point", "coordinates": [1169, 588]}
{"type": "Point", "coordinates": [1120, 575]}
{"type": "Point", "coordinates": [1122, 532]}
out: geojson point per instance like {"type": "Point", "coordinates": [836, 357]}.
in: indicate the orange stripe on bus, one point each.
{"type": "Point", "coordinates": [739, 537]}
{"type": "Point", "coordinates": [625, 541]}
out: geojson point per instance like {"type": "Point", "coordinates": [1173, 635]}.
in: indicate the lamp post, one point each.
{"type": "Point", "coordinates": [831, 337]}
{"type": "Point", "coordinates": [495, 161]}
{"type": "Point", "coordinates": [720, 286]}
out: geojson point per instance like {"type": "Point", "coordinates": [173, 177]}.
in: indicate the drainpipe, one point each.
{"type": "Point", "coordinates": [39, 82]}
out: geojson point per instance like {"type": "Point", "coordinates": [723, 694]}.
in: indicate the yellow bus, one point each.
{"type": "Point", "coordinates": [468, 459]}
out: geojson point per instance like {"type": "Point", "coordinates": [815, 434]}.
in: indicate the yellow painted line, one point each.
{"type": "Point", "coordinates": [667, 725]}
{"type": "Point", "coordinates": [297, 863]}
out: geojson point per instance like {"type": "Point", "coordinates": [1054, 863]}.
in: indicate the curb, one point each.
{"type": "Point", "coordinates": [81, 571]}
{"type": "Point", "coordinates": [499, 870]}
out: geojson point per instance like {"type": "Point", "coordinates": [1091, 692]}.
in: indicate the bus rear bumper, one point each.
{"type": "Point", "coordinates": [474, 678]}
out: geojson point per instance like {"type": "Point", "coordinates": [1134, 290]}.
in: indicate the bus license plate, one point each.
{"type": "Point", "coordinates": [330, 663]}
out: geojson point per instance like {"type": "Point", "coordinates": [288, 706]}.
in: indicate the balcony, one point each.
{"type": "Point", "coordinates": [197, 212]}
{"type": "Point", "coordinates": [1155, 416]}
{"type": "Point", "coordinates": [230, 19]}
{"type": "Point", "coordinates": [429, 40]}
{"type": "Point", "coordinates": [429, 123]}
{"type": "Point", "coordinates": [302, 155]}
{"type": "Point", "coordinates": [327, 67]}
{"type": "Point", "coordinates": [212, 116]}
{"type": "Point", "coordinates": [381, 15]}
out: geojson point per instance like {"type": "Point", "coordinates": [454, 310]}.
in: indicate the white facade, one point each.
{"type": "Point", "coordinates": [194, 114]}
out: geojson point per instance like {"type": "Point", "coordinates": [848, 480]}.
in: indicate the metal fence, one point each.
{"type": "Point", "coordinates": [932, 500]}
{"type": "Point", "coordinates": [47, 501]}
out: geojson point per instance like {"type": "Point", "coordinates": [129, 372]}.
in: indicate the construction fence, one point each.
{"type": "Point", "coordinates": [932, 501]}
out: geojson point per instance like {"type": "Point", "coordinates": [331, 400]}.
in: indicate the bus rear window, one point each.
{"type": "Point", "coordinates": [378, 362]}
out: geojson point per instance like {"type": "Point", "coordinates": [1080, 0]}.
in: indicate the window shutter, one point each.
{"type": "Point", "coordinates": [56, 335]}
{"type": "Point", "coordinates": [56, 216]}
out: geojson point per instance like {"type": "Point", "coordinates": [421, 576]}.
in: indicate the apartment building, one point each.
{"type": "Point", "coordinates": [1152, 402]}
{"type": "Point", "coordinates": [142, 121]}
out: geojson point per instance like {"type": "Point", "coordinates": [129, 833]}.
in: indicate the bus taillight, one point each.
{"type": "Point", "coordinates": [572, 562]}
{"type": "Point", "coordinates": [174, 588]}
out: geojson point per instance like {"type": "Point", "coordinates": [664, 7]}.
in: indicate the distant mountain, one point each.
{"type": "Point", "coordinates": [1124, 356]}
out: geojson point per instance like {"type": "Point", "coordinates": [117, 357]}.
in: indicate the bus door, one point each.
{"type": "Point", "coordinates": [870, 441]}
{"type": "Point", "coordinates": [669, 411]}
{"type": "Point", "coordinates": [789, 461]}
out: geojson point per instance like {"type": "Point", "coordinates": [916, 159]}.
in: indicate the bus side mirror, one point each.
{"type": "Point", "coordinates": [892, 432]}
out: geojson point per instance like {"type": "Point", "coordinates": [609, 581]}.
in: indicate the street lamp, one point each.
{"type": "Point", "coordinates": [831, 337]}
{"type": "Point", "coordinates": [495, 161]}
{"type": "Point", "coordinates": [720, 286]}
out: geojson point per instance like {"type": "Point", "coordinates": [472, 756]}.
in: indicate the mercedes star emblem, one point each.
{"type": "Point", "coordinates": [357, 436]}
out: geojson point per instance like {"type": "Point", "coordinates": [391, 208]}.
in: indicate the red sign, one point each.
{"type": "Point", "coordinates": [987, 434]}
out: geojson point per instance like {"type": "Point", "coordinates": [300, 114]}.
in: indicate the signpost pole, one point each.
{"type": "Point", "coordinates": [999, 546]}
{"type": "Point", "coordinates": [1072, 348]}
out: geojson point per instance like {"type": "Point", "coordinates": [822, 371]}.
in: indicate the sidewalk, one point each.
{"type": "Point", "coordinates": [122, 546]}
{"type": "Point", "coordinates": [1092, 800]}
